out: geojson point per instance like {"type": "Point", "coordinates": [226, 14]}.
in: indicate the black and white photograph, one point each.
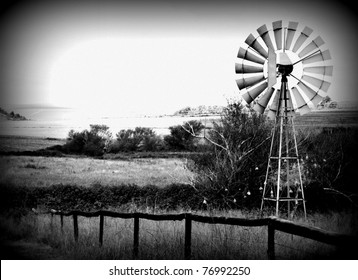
{"type": "Point", "coordinates": [178, 130]}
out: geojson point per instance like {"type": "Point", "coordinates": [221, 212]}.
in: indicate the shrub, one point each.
{"type": "Point", "coordinates": [73, 197]}
{"type": "Point", "coordinates": [329, 162]}
{"type": "Point", "coordinates": [151, 144]}
{"type": "Point", "coordinates": [230, 174]}
{"type": "Point", "coordinates": [94, 142]}
{"type": "Point", "coordinates": [139, 139]}
{"type": "Point", "coordinates": [75, 141]}
{"type": "Point", "coordinates": [181, 139]}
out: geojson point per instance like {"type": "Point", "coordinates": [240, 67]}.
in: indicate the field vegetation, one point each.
{"type": "Point", "coordinates": [165, 239]}
{"type": "Point", "coordinates": [41, 171]}
{"type": "Point", "coordinates": [216, 171]}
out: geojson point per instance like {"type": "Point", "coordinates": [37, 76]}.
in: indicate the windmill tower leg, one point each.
{"type": "Point", "coordinates": [283, 186]}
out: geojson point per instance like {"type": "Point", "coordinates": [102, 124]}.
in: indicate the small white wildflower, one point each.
{"type": "Point", "coordinates": [248, 193]}
{"type": "Point", "coordinates": [204, 201]}
{"type": "Point", "coordinates": [234, 200]}
{"type": "Point", "coordinates": [256, 168]}
{"type": "Point", "coordinates": [260, 188]}
{"type": "Point", "coordinates": [226, 190]}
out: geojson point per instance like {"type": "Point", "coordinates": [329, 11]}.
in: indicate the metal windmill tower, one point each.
{"type": "Point", "coordinates": [282, 71]}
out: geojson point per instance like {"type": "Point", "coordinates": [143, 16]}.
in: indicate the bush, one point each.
{"type": "Point", "coordinates": [94, 142]}
{"type": "Point", "coordinates": [180, 138]}
{"type": "Point", "coordinates": [72, 197]}
{"type": "Point", "coordinates": [230, 174]}
{"type": "Point", "coordinates": [329, 162]}
{"type": "Point", "coordinates": [139, 139]}
{"type": "Point", "coordinates": [151, 144]}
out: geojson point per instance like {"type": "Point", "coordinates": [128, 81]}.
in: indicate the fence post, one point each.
{"type": "Point", "coordinates": [75, 227]}
{"type": "Point", "coordinates": [101, 225]}
{"type": "Point", "coordinates": [271, 240]}
{"type": "Point", "coordinates": [187, 249]}
{"type": "Point", "coordinates": [136, 236]}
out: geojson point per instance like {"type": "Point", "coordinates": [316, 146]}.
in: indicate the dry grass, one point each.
{"type": "Point", "coordinates": [165, 239]}
{"type": "Point", "coordinates": [47, 171]}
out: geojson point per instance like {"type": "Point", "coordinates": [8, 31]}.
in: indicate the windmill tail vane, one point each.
{"type": "Point", "coordinates": [283, 71]}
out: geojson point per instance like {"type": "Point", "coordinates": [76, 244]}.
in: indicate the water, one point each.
{"type": "Point", "coordinates": [57, 122]}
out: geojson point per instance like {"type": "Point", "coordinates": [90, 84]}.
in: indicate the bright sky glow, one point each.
{"type": "Point", "coordinates": [140, 73]}
{"type": "Point", "coordinates": [119, 57]}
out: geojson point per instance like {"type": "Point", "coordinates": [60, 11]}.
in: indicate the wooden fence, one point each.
{"type": "Point", "coordinates": [273, 224]}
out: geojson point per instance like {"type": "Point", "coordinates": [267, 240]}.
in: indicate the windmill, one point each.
{"type": "Point", "coordinates": [282, 72]}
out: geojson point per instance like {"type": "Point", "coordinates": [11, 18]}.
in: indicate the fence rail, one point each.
{"type": "Point", "coordinates": [273, 224]}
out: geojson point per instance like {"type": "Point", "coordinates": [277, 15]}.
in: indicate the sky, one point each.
{"type": "Point", "coordinates": [151, 57]}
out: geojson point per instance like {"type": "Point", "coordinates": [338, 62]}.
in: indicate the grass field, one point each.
{"type": "Point", "coordinates": [328, 119]}
{"type": "Point", "coordinates": [47, 171]}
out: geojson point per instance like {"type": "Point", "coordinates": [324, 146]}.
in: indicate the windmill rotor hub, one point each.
{"type": "Point", "coordinates": [297, 69]}
{"type": "Point", "coordinates": [285, 70]}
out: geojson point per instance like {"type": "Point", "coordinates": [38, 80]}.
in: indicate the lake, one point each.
{"type": "Point", "coordinates": [57, 122]}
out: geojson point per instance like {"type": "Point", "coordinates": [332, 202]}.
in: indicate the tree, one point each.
{"type": "Point", "coordinates": [231, 172]}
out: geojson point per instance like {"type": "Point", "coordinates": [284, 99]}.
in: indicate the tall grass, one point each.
{"type": "Point", "coordinates": [47, 171]}
{"type": "Point", "coordinates": [165, 239]}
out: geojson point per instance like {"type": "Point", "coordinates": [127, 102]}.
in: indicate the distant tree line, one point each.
{"type": "Point", "coordinates": [201, 110]}
{"type": "Point", "coordinates": [12, 115]}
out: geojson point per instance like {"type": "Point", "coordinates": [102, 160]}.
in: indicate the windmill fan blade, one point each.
{"type": "Point", "coordinates": [321, 56]}
{"type": "Point", "coordinates": [321, 84]}
{"type": "Point", "coordinates": [312, 95]}
{"type": "Point", "coordinates": [252, 93]}
{"type": "Point", "coordinates": [261, 104]}
{"type": "Point", "coordinates": [249, 81]}
{"type": "Point", "coordinates": [291, 30]}
{"type": "Point", "coordinates": [315, 44]}
{"type": "Point", "coordinates": [245, 54]}
{"type": "Point", "coordinates": [252, 42]}
{"type": "Point", "coordinates": [242, 68]}
{"type": "Point", "coordinates": [302, 38]}
{"type": "Point", "coordinates": [265, 36]}
{"type": "Point", "coordinates": [300, 102]}
{"type": "Point", "coordinates": [277, 29]}
{"type": "Point", "coordinates": [323, 70]}
{"type": "Point", "coordinates": [271, 68]}
{"type": "Point", "coordinates": [274, 106]}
